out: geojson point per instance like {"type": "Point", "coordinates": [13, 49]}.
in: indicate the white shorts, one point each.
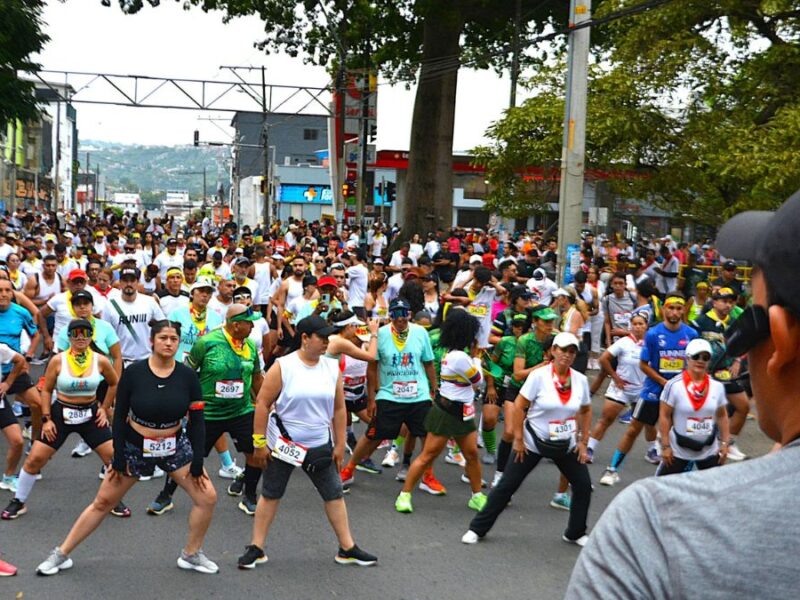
{"type": "Point", "coordinates": [625, 397]}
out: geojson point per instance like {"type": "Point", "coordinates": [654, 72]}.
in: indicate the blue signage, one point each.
{"type": "Point", "coordinates": [304, 194]}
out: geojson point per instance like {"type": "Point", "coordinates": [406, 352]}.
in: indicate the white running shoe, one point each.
{"type": "Point", "coordinates": [470, 538]}
{"type": "Point", "coordinates": [465, 479]}
{"type": "Point", "coordinates": [197, 562]}
{"type": "Point", "coordinates": [157, 472]}
{"type": "Point", "coordinates": [455, 458]}
{"type": "Point", "coordinates": [581, 541]}
{"type": "Point", "coordinates": [81, 450]}
{"type": "Point", "coordinates": [735, 454]}
{"type": "Point", "coordinates": [231, 472]}
{"type": "Point", "coordinates": [609, 478]}
{"type": "Point", "coordinates": [391, 459]}
{"type": "Point", "coordinates": [55, 562]}
{"type": "Point", "coordinates": [496, 479]}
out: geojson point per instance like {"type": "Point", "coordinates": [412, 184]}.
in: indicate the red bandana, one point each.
{"type": "Point", "coordinates": [564, 389]}
{"type": "Point", "coordinates": [697, 393]}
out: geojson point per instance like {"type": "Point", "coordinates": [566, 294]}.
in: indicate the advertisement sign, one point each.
{"type": "Point", "coordinates": [573, 263]}
{"type": "Point", "coordinates": [304, 194]}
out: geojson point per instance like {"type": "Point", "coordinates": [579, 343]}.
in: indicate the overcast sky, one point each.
{"type": "Point", "coordinates": [168, 41]}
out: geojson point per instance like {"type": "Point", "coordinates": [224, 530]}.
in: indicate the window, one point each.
{"type": "Point", "coordinates": [310, 134]}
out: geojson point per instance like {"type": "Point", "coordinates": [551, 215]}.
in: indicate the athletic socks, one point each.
{"type": "Point", "coordinates": [251, 476]}
{"type": "Point", "coordinates": [503, 452]}
{"type": "Point", "coordinates": [490, 440]}
{"type": "Point", "coordinates": [170, 486]}
{"type": "Point", "coordinates": [225, 459]}
{"type": "Point", "coordinates": [593, 443]}
{"type": "Point", "coordinates": [616, 460]}
{"type": "Point", "coordinates": [406, 460]}
{"type": "Point", "coordinates": [398, 442]}
{"type": "Point", "coordinates": [25, 483]}
{"type": "Point", "coordinates": [652, 445]}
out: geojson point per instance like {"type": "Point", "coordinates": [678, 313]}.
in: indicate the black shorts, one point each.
{"type": "Point", "coordinates": [139, 466]}
{"type": "Point", "coordinates": [390, 417]}
{"type": "Point", "coordinates": [646, 412]}
{"type": "Point", "coordinates": [510, 394]}
{"type": "Point", "coordinates": [7, 416]}
{"type": "Point", "coordinates": [93, 435]}
{"type": "Point", "coordinates": [21, 384]}
{"type": "Point", "coordinates": [277, 474]}
{"type": "Point", "coordinates": [501, 396]}
{"type": "Point", "coordinates": [733, 387]}
{"type": "Point", "coordinates": [272, 318]}
{"type": "Point", "coordinates": [239, 428]}
{"type": "Point", "coordinates": [356, 406]}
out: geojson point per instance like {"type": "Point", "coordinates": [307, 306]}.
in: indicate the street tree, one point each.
{"type": "Point", "coordinates": [422, 41]}
{"type": "Point", "coordinates": [692, 106]}
{"type": "Point", "coordinates": [20, 37]}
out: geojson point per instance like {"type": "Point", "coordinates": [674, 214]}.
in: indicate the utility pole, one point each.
{"type": "Point", "coordinates": [512, 101]}
{"type": "Point", "coordinates": [265, 144]}
{"type": "Point", "coordinates": [86, 197]}
{"type": "Point", "coordinates": [570, 201]}
{"type": "Point", "coordinates": [56, 179]}
{"type": "Point", "coordinates": [363, 139]}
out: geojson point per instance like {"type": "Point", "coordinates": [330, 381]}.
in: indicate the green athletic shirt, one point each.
{"type": "Point", "coordinates": [531, 349]}
{"type": "Point", "coordinates": [223, 371]}
{"type": "Point", "coordinates": [503, 356]}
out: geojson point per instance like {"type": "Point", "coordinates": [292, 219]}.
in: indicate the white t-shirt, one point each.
{"type": "Point", "coordinates": [377, 245]}
{"type": "Point", "coordinates": [697, 424]}
{"type": "Point", "coordinates": [138, 315]}
{"type": "Point", "coordinates": [394, 283]}
{"type": "Point", "coordinates": [170, 303]}
{"type": "Point", "coordinates": [66, 268]}
{"type": "Point", "coordinates": [295, 307]}
{"type": "Point", "coordinates": [415, 252]}
{"type": "Point", "coordinates": [459, 373]}
{"type": "Point", "coordinates": [550, 418]}
{"type": "Point", "coordinates": [397, 259]}
{"type": "Point", "coordinates": [627, 351]}
{"type": "Point", "coordinates": [542, 290]}
{"type": "Point", "coordinates": [61, 310]}
{"type": "Point", "coordinates": [431, 248]}
{"type": "Point", "coordinates": [218, 307]}
{"type": "Point", "coordinates": [357, 284]}
{"type": "Point", "coordinates": [165, 260]}
{"type": "Point", "coordinates": [263, 278]}
{"type": "Point", "coordinates": [666, 285]}
{"type": "Point", "coordinates": [260, 329]}
{"type": "Point", "coordinates": [481, 308]}
{"type": "Point", "coordinates": [462, 277]}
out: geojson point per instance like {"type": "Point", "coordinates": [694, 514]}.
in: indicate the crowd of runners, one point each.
{"type": "Point", "coordinates": [159, 338]}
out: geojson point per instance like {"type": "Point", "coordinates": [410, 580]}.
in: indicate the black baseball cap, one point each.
{"type": "Point", "coordinates": [79, 324]}
{"type": "Point", "coordinates": [128, 272]}
{"type": "Point", "coordinates": [729, 265]}
{"type": "Point", "coordinates": [315, 324]}
{"type": "Point", "coordinates": [81, 295]}
{"type": "Point", "coordinates": [768, 240]}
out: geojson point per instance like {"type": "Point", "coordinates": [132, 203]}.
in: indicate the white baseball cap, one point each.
{"type": "Point", "coordinates": [565, 340]}
{"type": "Point", "coordinates": [696, 346]}
{"type": "Point", "coordinates": [475, 258]}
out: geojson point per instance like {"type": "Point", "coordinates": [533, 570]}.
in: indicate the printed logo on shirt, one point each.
{"type": "Point", "coordinates": [143, 318]}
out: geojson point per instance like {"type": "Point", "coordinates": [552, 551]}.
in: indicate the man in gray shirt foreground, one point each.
{"type": "Point", "coordinates": [730, 532]}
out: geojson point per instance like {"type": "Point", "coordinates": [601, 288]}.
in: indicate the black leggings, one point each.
{"type": "Point", "coordinates": [513, 476]}
{"type": "Point", "coordinates": [680, 465]}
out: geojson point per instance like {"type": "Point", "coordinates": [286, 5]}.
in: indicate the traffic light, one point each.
{"type": "Point", "coordinates": [348, 189]}
{"type": "Point", "coordinates": [391, 191]}
{"type": "Point", "coordinates": [196, 137]}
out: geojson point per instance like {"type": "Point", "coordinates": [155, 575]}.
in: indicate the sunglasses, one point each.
{"type": "Point", "coordinates": [77, 334]}
{"type": "Point", "coordinates": [399, 313]}
{"type": "Point", "coordinates": [242, 297]}
{"type": "Point", "coordinates": [701, 357]}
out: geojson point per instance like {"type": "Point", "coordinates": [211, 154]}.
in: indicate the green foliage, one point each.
{"type": "Point", "coordinates": [118, 211]}
{"type": "Point", "coordinates": [694, 102]}
{"type": "Point", "coordinates": [20, 37]}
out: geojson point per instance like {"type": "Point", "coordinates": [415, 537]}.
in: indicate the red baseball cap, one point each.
{"type": "Point", "coordinates": [77, 274]}
{"type": "Point", "coordinates": [327, 280]}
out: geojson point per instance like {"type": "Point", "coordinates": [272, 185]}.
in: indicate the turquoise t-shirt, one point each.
{"type": "Point", "coordinates": [104, 337]}
{"type": "Point", "coordinates": [189, 332]}
{"type": "Point", "coordinates": [401, 371]}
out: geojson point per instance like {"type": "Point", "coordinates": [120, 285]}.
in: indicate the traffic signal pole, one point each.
{"type": "Point", "coordinates": [570, 201]}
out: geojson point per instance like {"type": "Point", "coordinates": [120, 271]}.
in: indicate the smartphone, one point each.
{"type": "Point", "coordinates": [326, 298]}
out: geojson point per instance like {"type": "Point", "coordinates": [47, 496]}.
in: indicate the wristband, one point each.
{"type": "Point", "coordinates": [196, 469]}
{"type": "Point", "coordinates": [259, 440]}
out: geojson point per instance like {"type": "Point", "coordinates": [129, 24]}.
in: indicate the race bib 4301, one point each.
{"type": "Point", "coordinates": [561, 430]}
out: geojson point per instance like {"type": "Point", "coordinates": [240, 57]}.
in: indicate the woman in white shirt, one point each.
{"type": "Point", "coordinates": [558, 414]}
{"type": "Point", "coordinates": [453, 412]}
{"type": "Point", "coordinates": [416, 249]}
{"type": "Point", "coordinates": [301, 397]}
{"type": "Point", "coordinates": [626, 380]}
{"type": "Point", "coordinates": [693, 416]}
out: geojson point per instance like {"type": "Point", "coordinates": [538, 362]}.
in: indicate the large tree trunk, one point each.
{"type": "Point", "coordinates": [428, 196]}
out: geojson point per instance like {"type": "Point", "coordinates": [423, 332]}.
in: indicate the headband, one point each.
{"type": "Point", "coordinates": [674, 300]}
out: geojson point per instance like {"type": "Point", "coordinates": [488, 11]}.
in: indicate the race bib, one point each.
{"type": "Point", "coordinates": [230, 388]}
{"type": "Point", "coordinates": [506, 380]}
{"type": "Point", "coordinates": [468, 411]}
{"type": "Point", "coordinates": [561, 430]}
{"type": "Point", "coordinates": [77, 416]}
{"type": "Point", "coordinates": [702, 426]}
{"type": "Point", "coordinates": [159, 447]}
{"type": "Point", "coordinates": [670, 364]}
{"type": "Point", "coordinates": [289, 452]}
{"type": "Point", "coordinates": [404, 389]}
{"type": "Point", "coordinates": [478, 310]}
{"type": "Point", "coordinates": [354, 381]}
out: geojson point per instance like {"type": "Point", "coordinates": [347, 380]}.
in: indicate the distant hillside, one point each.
{"type": "Point", "coordinates": [158, 168]}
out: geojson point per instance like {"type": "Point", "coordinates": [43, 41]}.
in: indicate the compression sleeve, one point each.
{"type": "Point", "coordinates": [196, 429]}
{"type": "Point", "coordinates": [122, 407]}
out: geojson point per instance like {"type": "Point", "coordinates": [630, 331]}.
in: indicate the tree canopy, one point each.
{"type": "Point", "coordinates": [693, 105]}
{"type": "Point", "coordinates": [20, 37]}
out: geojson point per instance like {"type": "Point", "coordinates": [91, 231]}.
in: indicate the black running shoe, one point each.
{"type": "Point", "coordinates": [14, 509]}
{"type": "Point", "coordinates": [367, 466]}
{"type": "Point", "coordinates": [236, 487]}
{"type": "Point", "coordinates": [122, 511]}
{"type": "Point", "coordinates": [253, 555]}
{"type": "Point", "coordinates": [355, 556]}
{"type": "Point", "coordinates": [248, 505]}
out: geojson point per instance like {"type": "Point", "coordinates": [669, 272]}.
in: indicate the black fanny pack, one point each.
{"type": "Point", "coordinates": [691, 443]}
{"type": "Point", "coordinates": [455, 409]}
{"type": "Point", "coordinates": [548, 448]}
{"type": "Point", "coordinates": [317, 458]}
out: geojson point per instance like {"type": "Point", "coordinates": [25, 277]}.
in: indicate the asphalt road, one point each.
{"type": "Point", "coordinates": [420, 555]}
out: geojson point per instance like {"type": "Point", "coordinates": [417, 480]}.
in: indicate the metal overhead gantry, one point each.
{"type": "Point", "coordinates": [145, 91]}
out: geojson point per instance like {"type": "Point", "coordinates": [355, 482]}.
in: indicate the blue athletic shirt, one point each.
{"type": "Point", "coordinates": [189, 331]}
{"type": "Point", "coordinates": [402, 374]}
{"type": "Point", "coordinates": [12, 322]}
{"type": "Point", "coordinates": [665, 351]}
